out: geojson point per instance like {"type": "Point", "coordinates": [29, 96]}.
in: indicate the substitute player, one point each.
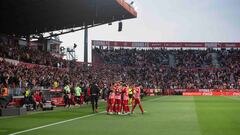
{"type": "Point", "coordinates": [137, 96]}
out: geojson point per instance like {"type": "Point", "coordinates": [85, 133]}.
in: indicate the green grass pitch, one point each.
{"type": "Point", "coordinates": [170, 115]}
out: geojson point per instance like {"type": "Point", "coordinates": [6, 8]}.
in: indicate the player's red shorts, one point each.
{"type": "Point", "coordinates": [125, 102]}
{"type": "Point", "coordinates": [118, 101]}
{"type": "Point", "coordinates": [137, 101]}
{"type": "Point", "coordinates": [111, 101]}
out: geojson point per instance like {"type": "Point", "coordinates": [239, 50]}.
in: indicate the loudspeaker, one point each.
{"type": "Point", "coordinates": [120, 24]}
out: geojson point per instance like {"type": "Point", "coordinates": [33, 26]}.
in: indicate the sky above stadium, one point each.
{"type": "Point", "coordinates": [170, 20]}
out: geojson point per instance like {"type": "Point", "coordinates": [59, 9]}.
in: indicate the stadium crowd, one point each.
{"type": "Point", "coordinates": [33, 56]}
{"type": "Point", "coordinates": [158, 57]}
{"type": "Point", "coordinates": [157, 69]}
{"type": "Point", "coordinates": [193, 69]}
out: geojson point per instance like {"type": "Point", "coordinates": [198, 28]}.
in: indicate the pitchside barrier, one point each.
{"type": "Point", "coordinates": [12, 111]}
{"type": "Point", "coordinates": [193, 92]}
{"type": "Point", "coordinates": [54, 95]}
{"type": "Point", "coordinates": [211, 94]}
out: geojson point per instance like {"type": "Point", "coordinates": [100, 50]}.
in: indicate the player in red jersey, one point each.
{"type": "Point", "coordinates": [111, 101]}
{"type": "Point", "coordinates": [137, 96]}
{"type": "Point", "coordinates": [118, 102]}
{"type": "Point", "coordinates": [125, 106]}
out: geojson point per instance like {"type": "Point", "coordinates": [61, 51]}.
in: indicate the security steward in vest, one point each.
{"type": "Point", "coordinates": [4, 96]}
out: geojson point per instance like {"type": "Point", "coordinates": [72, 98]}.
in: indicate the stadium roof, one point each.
{"type": "Point", "coordinates": [23, 17]}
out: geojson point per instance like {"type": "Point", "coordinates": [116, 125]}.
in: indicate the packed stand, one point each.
{"type": "Point", "coordinates": [149, 67]}
{"type": "Point", "coordinates": [193, 69]}
{"type": "Point", "coordinates": [24, 54]}
{"type": "Point", "coordinates": [134, 57]}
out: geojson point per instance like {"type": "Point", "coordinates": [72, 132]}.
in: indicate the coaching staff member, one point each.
{"type": "Point", "coordinates": [94, 92]}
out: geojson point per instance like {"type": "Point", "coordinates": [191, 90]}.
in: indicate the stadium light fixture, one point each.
{"type": "Point", "coordinates": [120, 25]}
{"type": "Point", "coordinates": [62, 49]}
{"type": "Point", "coordinates": [132, 3]}
{"type": "Point", "coordinates": [75, 46]}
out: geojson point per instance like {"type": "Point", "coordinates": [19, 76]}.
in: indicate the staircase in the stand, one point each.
{"type": "Point", "coordinates": [97, 58]}
{"type": "Point", "coordinates": [172, 60]}
{"type": "Point", "coordinates": [215, 60]}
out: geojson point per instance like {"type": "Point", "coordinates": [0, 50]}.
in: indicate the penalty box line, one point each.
{"type": "Point", "coordinates": [56, 123]}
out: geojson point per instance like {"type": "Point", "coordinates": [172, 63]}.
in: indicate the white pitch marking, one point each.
{"type": "Point", "coordinates": [57, 123]}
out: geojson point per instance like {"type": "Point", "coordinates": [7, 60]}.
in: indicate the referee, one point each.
{"type": "Point", "coordinates": [94, 92]}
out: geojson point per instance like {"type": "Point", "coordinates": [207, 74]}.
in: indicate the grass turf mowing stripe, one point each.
{"type": "Point", "coordinates": [177, 115]}
{"type": "Point", "coordinates": [166, 116]}
{"type": "Point", "coordinates": [58, 111]}
{"type": "Point", "coordinates": [61, 122]}
{"type": "Point", "coordinates": [24, 122]}
{"type": "Point", "coordinates": [218, 115]}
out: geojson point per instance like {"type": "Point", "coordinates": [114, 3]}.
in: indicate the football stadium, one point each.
{"type": "Point", "coordinates": [139, 81]}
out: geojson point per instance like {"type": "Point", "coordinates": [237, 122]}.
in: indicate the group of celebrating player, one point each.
{"type": "Point", "coordinates": [120, 96]}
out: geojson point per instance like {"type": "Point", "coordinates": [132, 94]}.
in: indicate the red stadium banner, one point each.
{"type": "Point", "coordinates": [211, 94]}
{"type": "Point", "coordinates": [58, 101]}
{"type": "Point", "coordinates": [166, 44]}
